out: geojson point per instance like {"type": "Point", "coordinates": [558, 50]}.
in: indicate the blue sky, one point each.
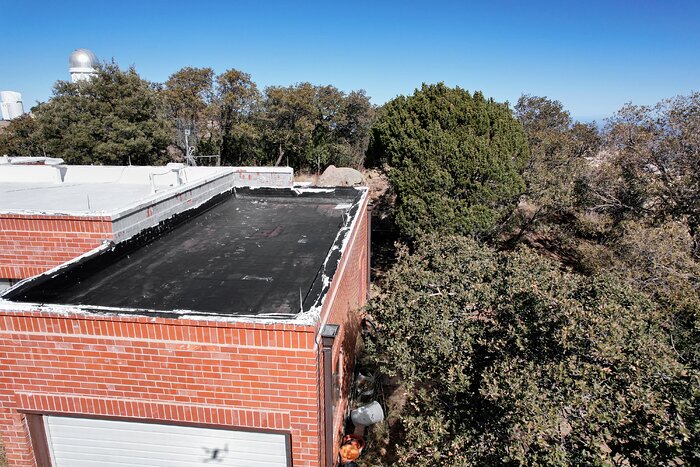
{"type": "Point", "coordinates": [592, 55]}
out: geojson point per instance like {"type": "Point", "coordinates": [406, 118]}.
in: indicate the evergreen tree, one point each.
{"type": "Point", "coordinates": [454, 160]}
{"type": "Point", "coordinates": [18, 138]}
{"type": "Point", "coordinates": [113, 118]}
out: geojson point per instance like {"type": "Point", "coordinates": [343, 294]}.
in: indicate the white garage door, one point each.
{"type": "Point", "coordinates": [83, 442]}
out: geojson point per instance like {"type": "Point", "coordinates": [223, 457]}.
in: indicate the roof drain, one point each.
{"type": "Point", "coordinates": [328, 335]}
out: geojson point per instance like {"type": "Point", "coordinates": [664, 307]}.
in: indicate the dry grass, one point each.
{"type": "Point", "coordinates": [3, 459]}
{"type": "Point", "coordinates": [383, 437]}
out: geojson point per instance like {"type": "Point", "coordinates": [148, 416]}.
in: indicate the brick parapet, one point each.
{"type": "Point", "coordinates": [33, 244]}
{"type": "Point", "coordinates": [346, 297]}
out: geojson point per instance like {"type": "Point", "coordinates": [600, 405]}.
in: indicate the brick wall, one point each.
{"type": "Point", "coordinates": [32, 244]}
{"type": "Point", "coordinates": [347, 295]}
{"type": "Point", "coordinates": [234, 375]}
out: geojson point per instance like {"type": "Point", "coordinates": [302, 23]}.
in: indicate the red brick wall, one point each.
{"type": "Point", "coordinates": [32, 244]}
{"type": "Point", "coordinates": [346, 297]}
{"type": "Point", "coordinates": [234, 375]}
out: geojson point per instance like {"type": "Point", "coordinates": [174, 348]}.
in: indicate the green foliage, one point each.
{"type": "Point", "coordinates": [19, 138]}
{"type": "Point", "coordinates": [508, 360]}
{"type": "Point", "coordinates": [629, 208]}
{"type": "Point", "coordinates": [221, 112]}
{"type": "Point", "coordinates": [188, 95]}
{"type": "Point", "coordinates": [652, 168]}
{"type": "Point", "coordinates": [238, 103]}
{"type": "Point", "coordinates": [658, 260]}
{"type": "Point", "coordinates": [312, 127]}
{"type": "Point", "coordinates": [114, 118]}
{"type": "Point", "coordinates": [454, 160]}
{"type": "Point", "coordinates": [559, 151]}
{"type": "Point", "coordinates": [307, 126]}
{"type": "Point", "coordinates": [289, 121]}
{"type": "Point", "coordinates": [117, 117]}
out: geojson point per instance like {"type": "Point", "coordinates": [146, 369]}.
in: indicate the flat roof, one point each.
{"type": "Point", "coordinates": [82, 198]}
{"type": "Point", "coordinates": [266, 253]}
{"type": "Point", "coordinates": [94, 190]}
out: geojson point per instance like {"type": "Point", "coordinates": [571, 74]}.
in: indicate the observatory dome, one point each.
{"type": "Point", "coordinates": [82, 58]}
{"type": "Point", "coordinates": [81, 65]}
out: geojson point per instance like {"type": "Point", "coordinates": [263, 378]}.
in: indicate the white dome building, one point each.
{"type": "Point", "coordinates": [82, 63]}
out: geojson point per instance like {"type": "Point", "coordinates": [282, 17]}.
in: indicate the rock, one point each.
{"type": "Point", "coordinates": [340, 176]}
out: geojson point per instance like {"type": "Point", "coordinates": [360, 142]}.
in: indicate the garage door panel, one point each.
{"type": "Point", "coordinates": [174, 443]}
{"type": "Point", "coordinates": [82, 442]}
{"type": "Point", "coordinates": [135, 455]}
{"type": "Point", "coordinates": [123, 461]}
{"type": "Point", "coordinates": [63, 444]}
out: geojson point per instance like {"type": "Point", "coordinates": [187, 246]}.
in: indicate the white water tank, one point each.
{"type": "Point", "coordinates": [82, 64]}
{"type": "Point", "coordinates": [10, 105]}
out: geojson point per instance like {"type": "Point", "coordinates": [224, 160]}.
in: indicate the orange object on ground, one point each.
{"type": "Point", "coordinates": [351, 448]}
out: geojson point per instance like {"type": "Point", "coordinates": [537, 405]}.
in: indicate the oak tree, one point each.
{"type": "Point", "coordinates": [507, 360]}
{"type": "Point", "coordinates": [188, 95]}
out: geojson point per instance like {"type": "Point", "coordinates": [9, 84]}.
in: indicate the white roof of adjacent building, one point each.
{"type": "Point", "coordinates": [102, 190]}
{"type": "Point", "coordinates": [70, 198]}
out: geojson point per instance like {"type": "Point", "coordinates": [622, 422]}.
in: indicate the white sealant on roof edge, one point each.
{"type": "Point", "coordinates": [53, 272]}
{"type": "Point", "coordinates": [312, 315]}
{"type": "Point", "coordinates": [7, 306]}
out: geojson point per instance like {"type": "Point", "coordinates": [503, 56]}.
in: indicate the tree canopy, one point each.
{"type": "Point", "coordinates": [582, 350]}
{"type": "Point", "coordinates": [188, 95]}
{"type": "Point", "coordinates": [653, 171]}
{"type": "Point", "coordinates": [19, 138]}
{"type": "Point", "coordinates": [114, 118]}
{"type": "Point", "coordinates": [237, 108]}
{"type": "Point", "coordinates": [506, 359]}
{"type": "Point", "coordinates": [559, 153]}
{"type": "Point", "coordinates": [306, 126]}
{"type": "Point", "coordinates": [315, 126]}
{"type": "Point", "coordinates": [454, 160]}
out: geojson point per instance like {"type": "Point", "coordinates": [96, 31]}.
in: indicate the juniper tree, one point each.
{"type": "Point", "coordinates": [454, 160]}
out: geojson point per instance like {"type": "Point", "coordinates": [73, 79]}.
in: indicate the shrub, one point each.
{"type": "Point", "coordinates": [509, 360]}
